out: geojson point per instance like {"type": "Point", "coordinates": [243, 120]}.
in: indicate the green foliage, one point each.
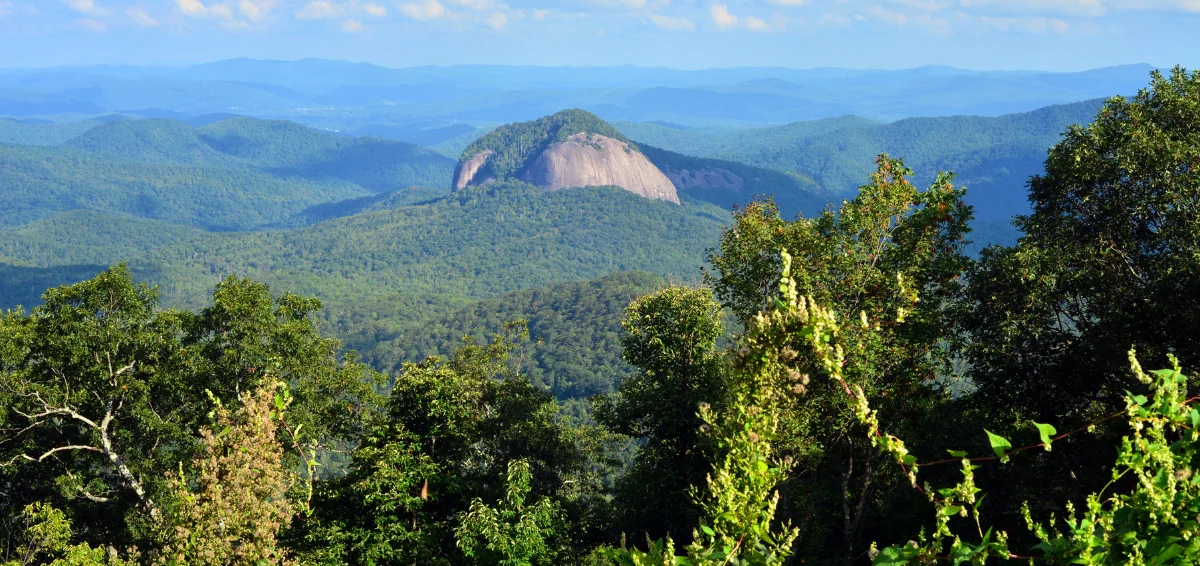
{"type": "Point", "coordinates": [737, 522]}
{"type": "Point", "coordinates": [514, 533]}
{"type": "Point", "coordinates": [233, 509]}
{"type": "Point", "coordinates": [513, 146]}
{"type": "Point", "coordinates": [104, 394]}
{"type": "Point", "coordinates": [46, 538]}
{"type": "Point", "coordinates": [482, 242]}
{"type": "Point", "coordinates": [889, 261]}
{"type": "Point", "coordinates": [1157, 521]}
{"type": "Point", "coordinates": [670, 337]}
{"type": "Point", "coordinates": [451, 428]}
{"type": "Point", "coordinates": [741, 183]}
{"type": "Point", "coordinates": [1109, 261]}
{"type": "Point", "coordinates": [231, 175]}
{"type": "Point", "coordinates": [993, 156]}
{"type": "Point", "coordinates": [27, 133]}
{"type": "Point", "coordinates": [574, 346]}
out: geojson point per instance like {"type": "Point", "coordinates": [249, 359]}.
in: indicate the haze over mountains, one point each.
{"type": "Point", "coordinates": [426, 103]}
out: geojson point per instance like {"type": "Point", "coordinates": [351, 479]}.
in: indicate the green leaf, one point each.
{"type": "Point", "coordinates": [1046, 431]}
{"type": "Point", "coordinates": [890, 556]}
{"type": "Point", "coordinates": [707, 530]}
{"type": "Point", "coordinates": [958, 453]}
{"type": "Point", "coordinates": [1000, 445]}
{"type": "Point", "coordinates": [908, 459]}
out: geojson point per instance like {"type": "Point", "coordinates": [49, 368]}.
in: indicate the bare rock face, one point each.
{"type": "Point", "coordinates": [464, 173]}
{"type": "Point", "coordinates": [708, 178]}
{"type": "Point", "coordinates": [591, 160]}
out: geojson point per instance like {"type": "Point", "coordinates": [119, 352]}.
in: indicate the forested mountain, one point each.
{"type": "Point", "coordinates": [993, 157]}
{"type": "Point", "coordinates": [476, 243]}
{"type": "Point", "coordinates": [38, 132]}
{"type": "Point", "coordinates": [233, 174]}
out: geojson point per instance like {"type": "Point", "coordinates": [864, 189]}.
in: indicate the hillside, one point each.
{"type": "Point", "coordinates": [33, 132]}
{"type": "Point", "coordinates": [478, 242]}
{"type": "Point", "coordinates": [234, 174]}
{"type": "Point", "coordinates": [729, 183]}
{"type": "Point", "coordinates": [993, 157]}
{"type": "Point", "coordinates": [574, 328]}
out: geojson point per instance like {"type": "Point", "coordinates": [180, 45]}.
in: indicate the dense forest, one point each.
{"type": "Point", "coordinates": [992, 156]}
{"type": "Point", "coordinates": [234, 174]}
{"type": "Point", "coordinates": [843, 387]}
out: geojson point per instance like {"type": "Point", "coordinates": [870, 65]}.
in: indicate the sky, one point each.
{"type": "Point", "coordinates": [1058, 35]}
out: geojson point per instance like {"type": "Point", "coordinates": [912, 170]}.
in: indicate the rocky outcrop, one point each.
{"type": "Point", "coordinates": [590, 160]}
{"type": "Point", "coordinates": [464, 173]}
{"type": "Point", "coordinates": [706, 179]}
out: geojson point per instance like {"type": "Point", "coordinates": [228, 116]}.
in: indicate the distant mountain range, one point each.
{"type": "Point", "coordinates": [435, 104]}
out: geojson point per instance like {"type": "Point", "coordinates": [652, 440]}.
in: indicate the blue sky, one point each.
{"type": "Point", "coordinates": [977, 34]}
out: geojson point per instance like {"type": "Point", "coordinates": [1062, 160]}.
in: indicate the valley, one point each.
{"type": "Point", "coordinates": [393, 237]}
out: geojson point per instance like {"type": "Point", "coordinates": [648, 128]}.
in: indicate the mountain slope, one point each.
{"type": "Point", "coordinates": [234, 174]}
{"type": "Point", "coordinates": [479, 242]}
{"type": "Point", "coordinates": [992, 156]}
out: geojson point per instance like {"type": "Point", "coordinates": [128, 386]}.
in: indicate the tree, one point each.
{"type": "Point", "coordinates": [513, 533]}
{"type": "Point", "coordinates": [100, 402]}
{"type": "Point", "coordinates": [670, 337]}
{"type": "Point", "coordinates": [1110, 260]}
{"type": "Point", "coordinates": [890, 259]}
{"type": "Point", "coordinates": [232, 510]}
{"type": "Point", "coordinates": [104, 393]}
{"type": "Point", "coordinates": [47, 536]}
{"type": "Point", "coordinates": [451, 428]}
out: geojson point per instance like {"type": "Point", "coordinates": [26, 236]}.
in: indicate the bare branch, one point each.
{"type": "Point", "coordinates": [69, 447]}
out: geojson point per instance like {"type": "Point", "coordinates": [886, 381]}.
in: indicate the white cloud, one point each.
{"type": "Point", "coordinates": [98, 26]}
{"type": "Point", "coordinates": [197, 9]}
{"type": "Point", "coordinates": [255, 10]}
{"type": "Point", "coordinates": [540, 14]}
{"type": "Point", "coordinates": [478, 5]}
{"type": "Point", "coordinates": [6, 8]}
{"type": "Point", "coordinates": [618, 4]}
{"type": "Point", "coordinates": [1038, 25]}
{"type": "Point", "coordinates": [788, 2]}
{"type": "Point", "coordinates": [320, 10]}
{"type": "Point", "coordinates": [925, 5]}
{"type": "Point", "coordinates": [1090, 8]}
{"type": "Point", "coordinates": [88, 7]}
{"type": "Point", "coordinates": [222, 11]}
{"type": "Point", "coordinates": [424, 10]}
{"type": "Point", "coordinates": [877, 12]}
{"type": "Point", "coordinates": [375, 10]}
{"type": "Point", "coordinates": [352, 26]}
{"type": "Point", "coordinates": [721, 16]}
{"type": "Point", "coordinates": [756, 24]}
{"type": "Point", "coordinates": [192, 8]}
{"type": "Point", "coordinates": [671, 23]}
{"type": "Point", "coordinates": [1185, 5]}
{"type": "Point", "coordinates": [497, 21]}
{"type": "Point", "coordinates": [141, 17]}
